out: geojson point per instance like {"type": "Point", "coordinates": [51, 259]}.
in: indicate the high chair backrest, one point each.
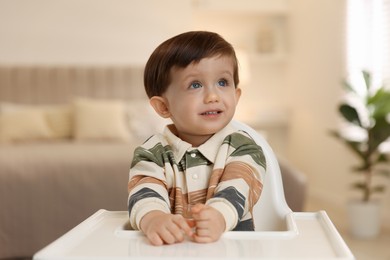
{"type": "Point", "coordinates": [271, 210]}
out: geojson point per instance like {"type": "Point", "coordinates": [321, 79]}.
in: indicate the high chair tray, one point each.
{"type": "Point", "coordinates": [104, 236]}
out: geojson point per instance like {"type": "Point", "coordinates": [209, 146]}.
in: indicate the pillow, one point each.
{"type": "Point", "coordinates": [11, 107]}
{"type": "Point", "coordinates": [143, 121]}
{"type": "Point", "coordinates": [100, 119]}
{"type": "Point", "coordinates": [22, 125]}
{"type": "Point", "coordinates": [60, 120]}
{"type": "Point", "coordinates": [58, 117]}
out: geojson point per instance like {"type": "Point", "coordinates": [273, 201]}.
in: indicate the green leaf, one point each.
{"type": "Point", "coordinates": [335, 133]}
{"type": "Point", "coordinates": [356, 148]}
{"type": "Point", "coordinates": [380, 103]}
{"type": "Point", "coordinates": [378, 188]}
{"type": "Point", "coordinates": [378, 134]}
{"type": "Point", "coordinates": [360, 169]}
{"type": "Point", "coordinates": [350, 114]}
{"type": "Point", "coordinates": [380, 95]}
{"type": "Point", "coordinates": [382, 158]}
{"type": "Point", "coordinates": [348, 87]}
{"type": "Point", "coordinates": [359, 185]}
{"type": "Point", "coordinates": [383, 172]}
{"type": "Point", "coordinates": [367, 79]}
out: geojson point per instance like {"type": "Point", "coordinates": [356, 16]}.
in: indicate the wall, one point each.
{"type": "Point", "coordinates": [316, 68]}
{"type": "Point", "coordinates": [87, 31]}
{"type": "Point", "coordinates": [315, 72]}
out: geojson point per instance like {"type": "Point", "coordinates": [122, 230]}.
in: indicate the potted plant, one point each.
{"type": "Point", "coordinates": [366, 119]}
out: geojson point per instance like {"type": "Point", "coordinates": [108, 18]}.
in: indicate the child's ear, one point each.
{"type": "Point", "coordinates": [238, 94]}
{"type": "Point", "coordinates": [160, 106]}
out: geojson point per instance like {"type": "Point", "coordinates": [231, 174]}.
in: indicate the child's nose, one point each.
{"type": "Point", "coordinates": [211, 95]}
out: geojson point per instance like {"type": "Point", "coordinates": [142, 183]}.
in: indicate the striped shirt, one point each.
{"type": "Point", "coordinates": [170, 175]}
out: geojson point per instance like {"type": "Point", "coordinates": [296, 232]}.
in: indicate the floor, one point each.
{"type": "Point", "coordinates": [363, 249]}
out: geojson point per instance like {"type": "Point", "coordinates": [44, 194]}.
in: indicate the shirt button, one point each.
{"type": "Point", "coordinates": [193, 155]}
{"type": "Point", "coordinates": [195, 176]}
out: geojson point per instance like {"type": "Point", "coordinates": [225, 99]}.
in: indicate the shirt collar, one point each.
{"type": "Point", "coordinates": [179, 147]}
{"type": "Point", "coordinates": [209, 149]}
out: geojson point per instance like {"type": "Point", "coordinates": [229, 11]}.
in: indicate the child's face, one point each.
{"type": "Point", "coordinates": [202, 98]}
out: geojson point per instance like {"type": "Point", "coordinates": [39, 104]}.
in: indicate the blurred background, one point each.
{"type": "Point", "coordinates": [293, 57]}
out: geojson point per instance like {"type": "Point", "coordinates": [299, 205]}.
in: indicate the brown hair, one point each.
{"type": "Point", "coordinates": [180, 51]}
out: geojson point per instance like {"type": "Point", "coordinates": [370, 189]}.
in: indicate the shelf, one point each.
{"type": "Point", "coordinates": [257, 27]}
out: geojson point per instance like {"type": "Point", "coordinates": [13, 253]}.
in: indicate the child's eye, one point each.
{"type": "Point", "coordinates": [195, 85]}
{"type": "Point", "coordinates": [223, 83]}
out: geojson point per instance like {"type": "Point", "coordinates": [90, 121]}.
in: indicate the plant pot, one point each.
{"type": "Point", "coordinates": [364, 218]}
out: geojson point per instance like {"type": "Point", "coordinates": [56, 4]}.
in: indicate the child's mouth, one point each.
{"type": "Point", "coordinates": [210, 113]}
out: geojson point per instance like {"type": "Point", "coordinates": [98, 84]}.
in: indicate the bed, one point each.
{"type": "Point", "coordinates": [67, 134]}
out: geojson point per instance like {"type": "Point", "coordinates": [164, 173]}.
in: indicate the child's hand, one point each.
{"type": "Point", "coordinates": [160, 228]}
{"type": "Point", "coordinates": [209, 223]}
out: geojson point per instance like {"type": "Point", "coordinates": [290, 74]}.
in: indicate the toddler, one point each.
{"type": "Point", "coordinates": [200, 177]}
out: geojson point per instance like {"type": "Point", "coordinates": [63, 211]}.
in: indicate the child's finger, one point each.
{"type": "Point", "coordinates": [168, 236]}
{"type": "Point", "coordinates": [202, 239]}
{"type": "Point", "coordinates": [203, 232]}
{"type": "Point", "coordinates": [155, 239]}
{"type": "Point", "coordinates": [201, 212]}
{"type": "Point", "coordinates": [183, 224]}
{"type": "Point", "coordinates": [191, 222]}
{"type": "Point", "coordinates": [202, 223]}
{"type": "Point", "coordinates": [198, 212]}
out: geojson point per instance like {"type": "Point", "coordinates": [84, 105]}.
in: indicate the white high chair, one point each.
{"type": "Point", "coordinates": [271, 211]}
{"type": "Point", "coordinates": [280, 233]}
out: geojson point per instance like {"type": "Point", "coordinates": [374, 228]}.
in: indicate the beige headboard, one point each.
{"type": "Point", "coordinates": [59, 84]}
